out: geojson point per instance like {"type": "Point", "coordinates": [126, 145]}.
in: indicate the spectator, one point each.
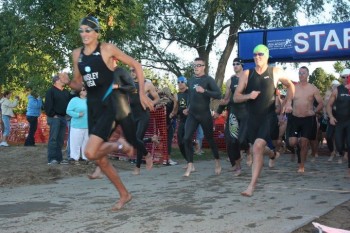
{"type": "Point", "coordinates": [33, 112]}
{"type": "Point", "coordinates": [7, 107]}
{"type": "Point", "coordinates": [79, 135]}
{"type": "Point", "coordinates": [167, 99]}
{"type": "Point", "coordinates": [56, 102]}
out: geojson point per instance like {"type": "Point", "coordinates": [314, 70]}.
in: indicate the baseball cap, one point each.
{"type": "Point", "coordinates": [345, 72]}
{"type": "Point", "coordinates": [335, 83]}
{"type": "Point", "coordinates": [261, 49]}
{"type": "Point", "coordinates": [182, 79]}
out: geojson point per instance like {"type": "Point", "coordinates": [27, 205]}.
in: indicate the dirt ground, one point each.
{"type": "Point", "coordinates": [21, 166]}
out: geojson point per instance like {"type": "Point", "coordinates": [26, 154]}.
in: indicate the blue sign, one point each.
{"type": "Point", "coordinates": [323, 42]}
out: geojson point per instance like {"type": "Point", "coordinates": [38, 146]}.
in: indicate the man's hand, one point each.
{"type": "Point", "coordinates": [254, 94]}
{"type": "Point", "coordinates": [146, 102]}
{"type": "Point", "coordinates": [332, 121]}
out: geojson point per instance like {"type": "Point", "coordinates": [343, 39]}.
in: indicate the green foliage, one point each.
{"type": "Point", "coordinates": [321, 80]}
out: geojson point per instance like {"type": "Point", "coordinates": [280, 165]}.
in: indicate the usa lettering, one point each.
{"type": "Point", "coordinates": [322, 40]}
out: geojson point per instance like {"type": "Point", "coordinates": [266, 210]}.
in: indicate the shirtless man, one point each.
{"type": "Point", "coordinates": [303, 122]}
{"type": "Point", "coordinates": [260, 85]}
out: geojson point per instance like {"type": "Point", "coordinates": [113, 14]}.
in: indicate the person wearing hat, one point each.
{"type": "Point", "coordinates": [93, 65]}
{"type": "Point", "coordinates": [235, 128]}
{"type": "Point", "coordinates": [340, 116]}
{"type": "Point", "coordinates": [329, 134]}
{"type": "Point", "coordinates": [257, 87]}
{"type": "Point", "coordinates": [201, 89]}
{"type": "Point", "coordinates": [56, 102]}
{"type": "Point", "coordinates": [181, 99]}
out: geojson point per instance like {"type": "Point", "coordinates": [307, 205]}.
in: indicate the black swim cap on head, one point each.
{"type": "Point", "coordinates": [91, 22]}
{"type": "Point", "coordinates": [237, 59]}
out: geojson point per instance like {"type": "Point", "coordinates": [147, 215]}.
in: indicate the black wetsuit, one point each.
{"type": "Point", "coordinates": [123, 114]}
{"type": "Point", "coordinates": [199, 113]}
{"type": "Point", "coordinates": [141, 118]}
{"type": "Point", "coordinates": [342, 114]}
{"type": "Point", "coordinates": [235, 129]}
{"type": "Point", "coordinates": [182, 98]}
{"type": "Point", "coordinates": [262, 119]}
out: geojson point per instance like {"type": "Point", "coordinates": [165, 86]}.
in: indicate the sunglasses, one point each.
{"type": "Point", "coordinates": [258, 54]}
{"type": "Point", "coordinates": [197, 65]}
{"type": "Point", "coordinates": [236, 64]}
{"type": "Point", "coordinates": [87, 30]}
{"type": "Point", "coordinates": [302, 73]}
{"type": "Point", "coordinates": [345, 76]}
{"type": "Point", "coordinates": [181, 82]}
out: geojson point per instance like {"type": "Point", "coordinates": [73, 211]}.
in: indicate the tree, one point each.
{"type": "Point", "coordinates": [196, 25]}
{"type": "Point", "coordinates": [321, 80]}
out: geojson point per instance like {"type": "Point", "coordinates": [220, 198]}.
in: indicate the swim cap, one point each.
{"type": "Point", "coordinates": [237, 59]}
{"type": "Point", "coordinates": [261, 49]}
{"type": "Point", "coordinates": [182, 79]}
{"type": "Point", "coordinates": [91, 22]}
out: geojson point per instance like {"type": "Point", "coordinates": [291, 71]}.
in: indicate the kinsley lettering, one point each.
{"type": "Point", "coordinates": [90, 79]}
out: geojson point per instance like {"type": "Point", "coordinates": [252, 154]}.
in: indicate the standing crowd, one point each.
{"type": "Point", "coordinates": [259, 117]}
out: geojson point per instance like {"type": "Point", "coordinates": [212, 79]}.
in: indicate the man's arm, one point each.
{"type": "Point", "coordinates": [319, 100]}
{"type": "Point", "coordinates": [238, 96]}
{"type": "Point", "coordinates": [77, 82]}
{"type": "Point", "coordinates": [176, 107]}
{"type": "Point", "coordinates": [329, 107]}
{"type": "Point", "coordinates": [116, 53]}
{"type": "Point", "coordinates": [226, 98]}
{"type": "Point", "coordinates": [149, 88]}
{"type": "Point", "coordinates": [280, 76]}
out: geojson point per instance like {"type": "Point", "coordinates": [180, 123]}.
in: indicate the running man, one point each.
{"type": "Point", "coordinates": [260, 85]}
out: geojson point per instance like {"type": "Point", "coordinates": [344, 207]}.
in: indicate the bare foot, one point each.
{"type": "Point", "coordinates": [97, 174]}
{"type": "Point", "coordinates": [121, 203]}
{"type": "Point", "coordinates": [248, 192]}
{"type": "Point", "coordinates": [149, 161]}
{"type": "Point", "coordinates": [217, 167]}
{"type": "Point", "coordinates": [271, 163]}
{"type": "Point", "coordinates": [136, 171]}
{"type": "Point", "coordinates": [301, 170]}
{"type": "Point", "coordinates": [188, 170]}
{"type": "Point", "coordinates": [192, 170]}
{"type": "Point", "coordinates": [155, 139]}
{"type": "Point", "coordinates": [126, 147]}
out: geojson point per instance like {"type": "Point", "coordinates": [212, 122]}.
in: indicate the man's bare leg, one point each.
{"type": "Point", "coordinates": [112, 174]}
{"type": "Point", "coordinates": [258, 153]}
{"type": "Point", "coordinates": [189, 169]}
{"type": "Point", "coordinates": [149, 161]}
{"type": "Point", "coordinates": [249, 156]}
{"type": "Point", "coordinates": [217, 167]}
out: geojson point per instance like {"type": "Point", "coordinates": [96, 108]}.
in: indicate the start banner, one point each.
{"type": "Point", "coordinates": [322, 42]}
